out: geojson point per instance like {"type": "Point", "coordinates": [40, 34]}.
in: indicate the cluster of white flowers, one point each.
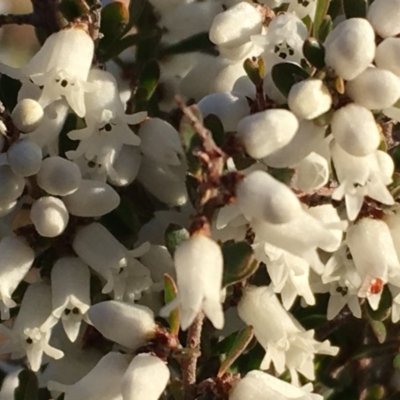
{"type": "Point", "coordinates": [326, 131]}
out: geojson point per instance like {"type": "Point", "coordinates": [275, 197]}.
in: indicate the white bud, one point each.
{"type": "Point", "coordinates": [259, 195]}
{"type": "Point", "coordinates": [129, 325]}
{"type": "Point", "coordinates": [27, 115]}
{"type": "Point", "coordinates": [374, 89]}
{"type": "Point", "coordinates": [11, 185]}
{"type": "Point", "coordinates": [138, 382]}
{"type": "Point", "coordinates": [355, 130]}
{"type": "Point", "coordinates": [125, 167]}
{"type": "Point", "coordinates": [234, 26]}
{"type": "Point", "coordinates": [267, 131]}
{"type": "Point", "coordinates": [388, 55]}
{"type": "Point", "coordinates": [350, 47]}
{"type": "Point", "coordinates": [384, 16]}
{"type": "Point", "coordinates": [25, 158]}
{"type": "Point", "coordinates": [92, 199]}
{"type": "Point", "coordinates": [229, 108]}
{"type": "Point", "coordinates": [309, 99]}
{"type": "Point", "coordinates": [58, 176]}
{"type": "Point", "coordinates": [50, 216]}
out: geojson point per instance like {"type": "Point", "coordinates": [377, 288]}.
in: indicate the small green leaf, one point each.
{"type": "Point", "coordinates": [374, 392]}
{"type": "Point", "coordinates": [71, 9]}
{"type": "Point", "coordinates": [320, 12]}
{"type": "Point", "coordinates": [170, 293]}
{"type": "Point", "coordinates": [239, 262]}
{"type": "Point", "coordinates": [325, 28]}
{"type": "Point", "coordinates": [255, 70]}
{"type": "Point", "coordinates": [9, 89]}
{"type": "Point", "coordinates": [214, 125]}
{"type": "Point", "coordinates": [383, 311]}
{"type": "Point", "coordinates": [285, 75]}
{"type": "Point", "coordinates": [396, 361]}
{"type": "Point", "coordinates": [174, 236]}
{"type": "Point", "coordinates": [114, 18]}
{"type": "Point", "coordinates": [198, 42]}
{"type": "Point", "coordinates": [28, 386]}
{"type": "Point", "coordinates": [355, 8]}
{"type": "Point", "coordinates": [148, 82]}
{"type": "Point", "coordinates": [241, 341]}
{"type": "Point", "coordinates": [379, 329]}
{"type": "Point", "coordinates": [314, 52]}
{"type": "Point", "coordinates": [283, 175]}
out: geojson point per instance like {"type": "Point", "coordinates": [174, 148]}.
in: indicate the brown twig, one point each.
{"type": "Point", "coordinates": [20, 19]}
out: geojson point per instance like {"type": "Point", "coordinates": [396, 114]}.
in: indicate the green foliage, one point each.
{"type": "Point", "coordinates": [285, 75]}
{"type": "Point", "coordinates": [28, 386]}
{"type": "Point", "coordinates": [174, 236]}
{"type": "Point", "coordinates": [355, 8]}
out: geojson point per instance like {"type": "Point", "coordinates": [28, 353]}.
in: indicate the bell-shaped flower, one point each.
{"type": "Point", "coordinates": [99, 249]}
{"type": "Point", "coordinates": [384, 17]}
{"type": "Point", "coordinates": [70, 283]}
{"type": "Point", "coordinates": [15, 261]}
{"type": "Point", "coordinates": [61, 66]}
{"type": "Point", "coordinates": [138, 383]}
{"type": "Point", "coordinates": [103, 382]}
{"type": "Point", "coordinates": [350, 47]}
{"type": "Point", "coordinates": [387, 55]}
{"type": "Point", "coordinates": [129, 325]}
{"type": "Point", "coordinates": [372, 248]}
{"type": "Point", "coordinates": [12, 186]}
{"type": "Point", "coordinates": [107, 127]}
{"type": "Point", "coordinates": [258, 385]}
{"type": "Point", "coordinates": [125, 168]}
{"type": "Point", "coordinates": [287, 344]}
{"type": "Point", "coordinates": [199, 266]}
{"type": "Point", "coordinates": [24, 157]}
{"type": "Point", "coordinates": [27, 115]}
{"type": "Point", "coordinates": [265, 132]}
{"type": "Point", "coordinates": [26, 337]}
{"type": "Point", "coordinates": [360, 177]}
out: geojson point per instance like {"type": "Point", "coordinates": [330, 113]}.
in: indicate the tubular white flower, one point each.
{"type": "Point", "coordinates": [309, 99]}
{"type": "Point", "coordinates": [350, 47]}
{"type": "Point", "coordinates": [286, 342]}
{"type": "Point", "coordinates": [303, 8]}
{"type": "Point", "coordinates": [129, 325]}
{"type": "Point", "coordinates": [374, 89]}
{"type": "Point", "coordinates": [355, 130]}
{"type": "Point", "coordinates": [235, 26]}
{"type": "Point", "coordinates": [372, 248]}
{"type": "Point", "coordinates": [259, 195]}
{"type": "Point", "coordinates": [199, 266]}
{"type": "Point", "coordinates": [160, 142]}
{"type": "Point", "coordinates": [50, 216]}
{"type": "Point", "coordinates": [16, 260]}
{"type": "Point", "coordinates": [265, 132]}
{"type": "Point", "coordinates": [125, 167]}
{"type": "Point", "coordinates": [25, 157]}
{"type": "Point", "coordinates": [12, 185]}
{"type": "Point", "coordinates": [228, 107]}
{"type": "Point", "coordinates": [258, 385]}
{"type": "Point", "coordinates": [26, 337]}
{"type": "Point", "coordinates": [138, 382]}
{"type": "Point", "coordinates": [92, 199]}
{"type": "Point", "coordinates": [70, 283]}
{"type": "Point", "coordinates": [384, 16]}
{"type": "Point", "coordinates": [27, 115]}
{"type": "Point", "coordinates": [58, 176]}
{"type": "Point", "coordinates": [388, 55]}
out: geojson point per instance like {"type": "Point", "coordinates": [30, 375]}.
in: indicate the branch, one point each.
{"type": "Point", "coordinates": [20, 19]}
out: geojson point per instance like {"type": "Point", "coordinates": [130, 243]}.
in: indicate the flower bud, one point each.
{"type": "Point", "coordinates": [374, 89]}
{"type": "Point", "coordinates": [229, 108]}
{"type": "Point", "coordinates": [267, 131]}
{"type": "Point", "coordinates": [58, 176]}
{"type": "Point", "coordinates": [384, 16]}
{"type": "Point", "coordinates": [12, 185]}
{"type": "Point", "coordinates": [25, 158]}
{"type": "Point", "coordinates": [125, 167]}
{"type": "Point", "coordinates": [234, 26]}
{"type": "Point", "coordinates": [92, 199]}
{"type": "Point", "coordinates": [355, 130]}
{"type": "Point", "coordinates": [350, 47]}
{"type": "Point", "coordinates": [309, 99]}
{"type": "Point", "coordinates": [138, 382]}
{"type": "Point", "coordinates": [50, 216]}
{"type": "Point", "coordinates": [388, 55]}
{"type": "Point", "coordinates": [129, 325]}
{"type": "Point", "coordinates": [261, 196]}
{"type": "Point", "coordinates": [27, 115]}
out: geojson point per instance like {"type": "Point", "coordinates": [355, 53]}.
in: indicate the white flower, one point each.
{"type": "Point", "coordinates": [12, 185]}
{"type": "Point", "coordinates": [138, 383]}
{"type": "Point", "coordinates": [70, 283]}
{"type": "Point", "coordinates": [258, 385]}
{"type": "Point", "coordinates": [350, 47]}
{"type": "Point", "coordinates": [199, 265]}
{"type": "Point", "coordinates": [384, 17]}
{"type": "Point", "coordinates": [25, 157]}
{"type": "Point", "coordinates": [16, 259]}
{"type": "Point", "coordinates": [26, 338]}
{"type": "Point", "coordinates": [309, 99]}
{"type": "Point", "coordinates": [303, 8]}
{"type": "Point", "coordinates": [27, 115]}
{"type": "Point", "coordinates": [265, 132]}
{"type": "Point", "coordinates": [129, 325]}
{"type": "Point", "coordinates": [287, 344]}
{"type": "Point", "coordinates": [259, 195]}
{"type": "Point", "coordinates": [388, 56]}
